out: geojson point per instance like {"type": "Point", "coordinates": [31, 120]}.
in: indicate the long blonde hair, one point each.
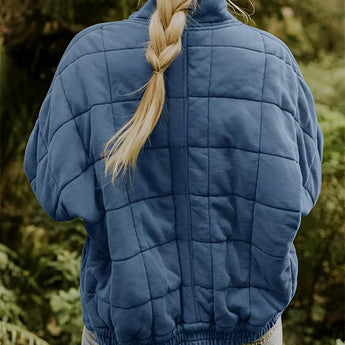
{"type": "Point", "coordinates": [166, 27]}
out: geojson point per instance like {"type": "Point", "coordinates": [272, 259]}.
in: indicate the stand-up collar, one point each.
{"type": "Point", "coordinates": [208, 11]}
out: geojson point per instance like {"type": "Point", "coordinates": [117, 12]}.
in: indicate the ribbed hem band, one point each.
{"type": "Point", "coordinates": [180, 336]}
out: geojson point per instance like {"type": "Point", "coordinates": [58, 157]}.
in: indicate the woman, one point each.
{"type": "Point", "coordinates": [197, 246]}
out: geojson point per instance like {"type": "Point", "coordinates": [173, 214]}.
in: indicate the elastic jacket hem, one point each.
{"type": "Point", "coordinates": [210, 336]}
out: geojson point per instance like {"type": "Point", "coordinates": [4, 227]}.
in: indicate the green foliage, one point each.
{"type": "Point", "coordinates": [67, 306]}
{"type": "Point", "coordinates": [12, 276]}
{"type": "Point", "coordinates": [64, 267]}
{"type": "Point", "coordinates": [39, 286]}
{"type": "Point", "coordinates": [316, 314]}
{"type": "Point", "coordinates": [14, 335]}
{"type": "Point", "coordinates": [9, 305]}
{"type": "Point", "coordinates": [338, 342]}
{"type": "Point", "coordinates": [309, 27]}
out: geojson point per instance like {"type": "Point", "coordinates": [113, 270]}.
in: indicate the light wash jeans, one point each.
{"type": "Point", "coordinates": [88, 337]}
{"type": "Point", "coordinates": [273, 337]}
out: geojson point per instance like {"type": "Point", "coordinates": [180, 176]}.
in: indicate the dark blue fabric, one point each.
{"type": "Point", "coordinates": [200, 248]}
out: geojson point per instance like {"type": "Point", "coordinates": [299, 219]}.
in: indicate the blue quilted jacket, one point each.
{"type": "Point", "coordinates": [199, 248]}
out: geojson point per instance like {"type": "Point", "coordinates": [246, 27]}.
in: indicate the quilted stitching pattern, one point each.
{"type": "Point", "coordinates": [203, 241]}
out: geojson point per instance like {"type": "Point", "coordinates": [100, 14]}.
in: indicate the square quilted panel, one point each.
{"type": "Point", "coordinates": [66, 151]}
{"type": "Point", "coordinates": [237, 300]}
{"type": "Point", "coordinates": [129, 321]}
{"type": "Point", "coordinates": [232, 171]}
{"type": "Point", "coordinates": [92, 307]}
{"type": "Point", "coordinates": [238, 36]}
{"type": "Point", "coordinates": [126, 78]}
{"type": "Point", "coordinates": [129, 284]}
{"type": "Point", "coordinates": [159, 135]}
{"type": "Point", "coordinates": [278, 49]}
{"type": "Point", "coordinates": [99, 239]}
{"type": "Point", "coordinates": [237, 262]}
{"type": "Point", "coordinates": [153, 227]}
{"type": "Point", "coordinates": [270, 272]}
{"type": "Point", "coordinates": [234, 123]}
{"type": "Point", "coordinates": [176, 122]}
{"type": "Point", "coordinates": [103, 310]}
{"type": "Point", "coordinates": [121, 112]}
{"type": "Point", "coordinates": [40, 151]}
{"type": "Point", "coordinates": [54, 113]}
{"type": "Point", "coordinates": [313, 184]}
{"type": "Point", "coordinates": [123, 242]}
{"type": "Point", "coordinates": [114, 37]}
{"type": "Point", "coordinates": [306, 114]}
{"type": "Point", "coordinates": [197, 121]}
{"type": "Point", "coordinates": [144, 180]}
{"type": "Point", "coordinates": [91, 86]}
{"type": "Point", "coordinates": [174, 78]}
{"type": "Point", "coordinates": [274, 229]}
{"type": "Point", "coordinates": [83, 124]}
{"type": "Point", "coordinates": [306, 149]}
{"type": "Point", "coordinates": [182, 221]}
{"type": "Point", "coordinates": [264, 304]}
{"type": "Point", "coordinates": [231, 264]}
{"type": "Point", "coordinates": [87, 42]}
{"type": "Point", "coordinates": [238, 221]}
{"type": "Point", "coordinates": [114, 195]}
{"type": "Point", "coordinates": [162, 268]}
{"type": "Point", "coordinates": [184, 259]}
{"type": "Point", "coordinates": [307, 152]}
{"type": "Point", "coordinates": [156, 272]}
{"type": "Point", "coordinates": [198, 170]}
{"type": "Point", "coordinates": [167, 312]}
{"type": "Point", "coordinates": [199, 38]}
{"type": "Point", "coordinates": [96, 271]}
{"type": "Point", "coordinates": [278, 132]}
{"type": "Point", "coordinates": [282, 89]}
{"type": "Point", "coordinates": [83, 202]}
{"type": "Point", "coordinates": [205, 299]}
{"type": "Point", "coordinates": [203, 264]}
{"type": "Point", "coordinates": [200, 217]}
{"type": "Point", "coordinates": [197, 73]}
{"type": "Point", "coordinates": [48, 201]}
{"type": "Point", "coordinates": [189, 312]}
{"type": "Point", "coordinates": [279, 183]}
{"type": "Point", "coordinates": [230, 306]}
{"type": "Point", "coordinates": [102, 128]}
{"type": "Point", "coordinates": [242, 77]}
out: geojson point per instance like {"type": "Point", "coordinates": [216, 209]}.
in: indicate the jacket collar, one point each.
{"type": "Point", "coordinates": [208, 11]}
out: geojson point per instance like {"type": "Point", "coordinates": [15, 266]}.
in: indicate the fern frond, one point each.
{"type": "Point", "coordinates": [9, 334]}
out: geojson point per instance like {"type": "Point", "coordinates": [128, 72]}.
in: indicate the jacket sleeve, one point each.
{"type": "Point", "coordinates": [54, 156]}
{"type": "Point", "coordinates": [310, 146]}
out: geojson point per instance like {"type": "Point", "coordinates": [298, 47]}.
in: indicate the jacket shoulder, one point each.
{"type": "Point", "coordinates": [274, 46]}
{"type": "Point", "coordinates": [90, 40]}
{"type": "Point", "coordinates": [82, 43]}
{"type": "Point", "coordinates": [251, 39]}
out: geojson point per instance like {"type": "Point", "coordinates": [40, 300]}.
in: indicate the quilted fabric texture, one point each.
{"type": "Point", "coordinates": [200, 248]}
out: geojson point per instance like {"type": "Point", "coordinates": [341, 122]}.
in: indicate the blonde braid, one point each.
{"type": "Point", "coordinates": [166, 27]}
